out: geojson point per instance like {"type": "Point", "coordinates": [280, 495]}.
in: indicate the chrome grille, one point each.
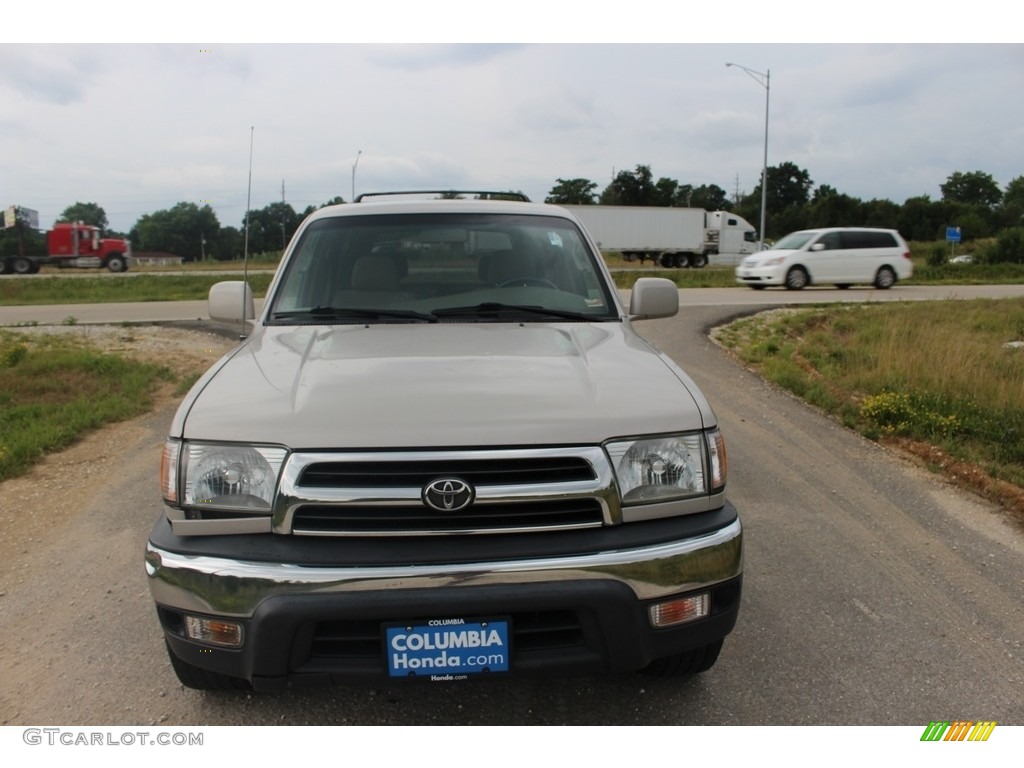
{"type": "Point", "coordinates": [380, 493]}
{"type": "Point", "coordinates": [386, 473]}
{"type": "Point", "coordinates": [397, 520]}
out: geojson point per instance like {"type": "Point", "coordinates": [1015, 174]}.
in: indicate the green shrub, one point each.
{"type": "Point", "coordinates": [12, 354]}
{"type": "Point", "coordinates": [937, 255]}
{"type": "Point", "coordinates": [913, 415]}
{"type": "Point", "coordinates": [1008, 248]}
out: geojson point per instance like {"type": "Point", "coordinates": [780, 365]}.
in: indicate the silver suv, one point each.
{"type": "Point", "coordinates": [427, 460]}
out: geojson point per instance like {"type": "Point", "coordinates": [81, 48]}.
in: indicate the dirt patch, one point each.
{"type": "Point", "coordinates": [963, 474]}
{"type": "Point", "coordinates": [51, 492]}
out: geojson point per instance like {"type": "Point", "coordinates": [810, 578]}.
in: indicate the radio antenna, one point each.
{"type": "Point", "coordinates": [245, 253]}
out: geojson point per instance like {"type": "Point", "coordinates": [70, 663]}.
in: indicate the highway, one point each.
{"type": "Point", "coordinates": [169, 311]}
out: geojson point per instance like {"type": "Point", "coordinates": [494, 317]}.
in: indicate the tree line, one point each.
{"type": "Point", "coordinates": [971, 200]}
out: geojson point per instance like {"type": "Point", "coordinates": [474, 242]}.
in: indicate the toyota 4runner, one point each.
{"type": "Point", "coordinates": [427, 459]}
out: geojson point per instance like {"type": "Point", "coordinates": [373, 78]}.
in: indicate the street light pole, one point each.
{"type": "Point", "coordinates": [764, 80]}
{"type": "Point", "coordinates": [354, 165]}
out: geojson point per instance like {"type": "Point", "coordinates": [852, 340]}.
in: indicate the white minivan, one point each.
{"type": "Point", "coordinates": [842, 256]}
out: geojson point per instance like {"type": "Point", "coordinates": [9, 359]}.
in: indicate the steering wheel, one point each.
{"type": "Point", "coordinates": [524, 281]}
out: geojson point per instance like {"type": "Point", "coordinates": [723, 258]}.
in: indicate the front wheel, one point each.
{"type": "Point", "coordinates": [117, 263]}
{"type": "Point", "coordinates": [885, 278]}
{"type": "Point", "coordinates": [688, 663]}
{"type": "Point", "coordinates": [796, 279]}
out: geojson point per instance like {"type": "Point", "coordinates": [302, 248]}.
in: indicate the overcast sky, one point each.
{"type": "Point", "coordinates": [139, 127]}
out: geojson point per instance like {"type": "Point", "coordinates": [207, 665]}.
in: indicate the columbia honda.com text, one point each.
{"type": "Point", "coordinates": [71, 737]}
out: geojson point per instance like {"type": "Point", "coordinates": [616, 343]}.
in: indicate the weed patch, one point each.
{"type": "Point", "coordinates": [54, 389]}
{"type": "Point", "coordinates": [932, 373]}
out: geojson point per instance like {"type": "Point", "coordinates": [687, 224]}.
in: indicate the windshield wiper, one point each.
{"type": "Point", "coordinates": [493, 309]}
{"type": "Point", "coordinates": [355, 314]}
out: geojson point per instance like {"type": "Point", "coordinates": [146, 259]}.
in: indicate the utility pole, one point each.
{"type": "Point", "coordinates": [284, 237]}
{"type": "Point", "coordinates": [764, 79]}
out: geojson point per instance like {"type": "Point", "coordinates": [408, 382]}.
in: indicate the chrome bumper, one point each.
{"type": "Point", "coordinates": [228, 587]}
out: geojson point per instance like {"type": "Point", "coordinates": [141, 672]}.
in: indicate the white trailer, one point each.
{"type": "Point", "coordinates": [672, 237]}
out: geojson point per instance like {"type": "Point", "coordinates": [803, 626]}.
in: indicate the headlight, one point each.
{"type": "Point", "coordinates": [670, 467]}
{"type": "Point", "coordinates": [219, 476]}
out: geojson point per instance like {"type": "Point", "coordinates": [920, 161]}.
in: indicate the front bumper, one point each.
{"type": "Point", "coordinates": [320, 623]}
{"type": "Point", "coordinates": [760, 276]}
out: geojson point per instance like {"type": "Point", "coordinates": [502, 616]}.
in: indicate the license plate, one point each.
{"type": "Point", "coordinates": [447, 649]}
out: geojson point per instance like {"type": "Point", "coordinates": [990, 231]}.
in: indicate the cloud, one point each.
{"type": "Point", "coordinates": [39, 77]}
{"type": "Point", "coordinates": [426, 57]}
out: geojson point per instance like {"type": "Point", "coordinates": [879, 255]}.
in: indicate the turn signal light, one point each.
{"type": "Point", "coordinates": [673, 612]}
{"type": "Point", "coordinates": [214, 631]}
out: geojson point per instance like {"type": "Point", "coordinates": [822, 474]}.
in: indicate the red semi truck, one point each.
{"type": "Point", "coordinates": [74, 245]}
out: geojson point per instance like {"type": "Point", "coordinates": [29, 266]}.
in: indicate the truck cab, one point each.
{"type": "Point", "coordinates": [80, 245]}
{"type": "Point", "coordinates": [734, 238]}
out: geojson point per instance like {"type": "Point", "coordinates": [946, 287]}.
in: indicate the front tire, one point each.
{"type": "Point", "coordinates": [689, 663]}
{"type": "Point", "coordinates": [885, 278]}
{"type": "Point", "coordinates": [116, 263]}
{"type": "Point", "coordinates": [796, 279]}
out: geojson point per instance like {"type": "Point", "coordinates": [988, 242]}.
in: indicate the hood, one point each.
{"type": "Point", "coordinates": [440, 385]}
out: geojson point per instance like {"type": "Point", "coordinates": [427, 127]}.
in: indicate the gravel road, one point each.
{"type": "Point", "coordinates": [874, 593]}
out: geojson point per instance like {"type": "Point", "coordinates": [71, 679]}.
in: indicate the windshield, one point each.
{"type": "Point", "coordinates": [794, 241]}
{"type": "Point", "coordinates": [441, 267]}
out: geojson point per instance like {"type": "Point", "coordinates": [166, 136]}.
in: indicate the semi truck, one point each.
{"type": "Point", "coordinates": [75, 245]}
{"type": "Point", "coordinates": [671, 237]}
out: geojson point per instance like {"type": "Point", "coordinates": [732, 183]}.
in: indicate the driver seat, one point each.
{"type": "Point", "coordinates": [501, 266]}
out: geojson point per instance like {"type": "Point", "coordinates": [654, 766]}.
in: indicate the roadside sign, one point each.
{"type": "Point", "coordinates": [15, 214]}
{"type": "Point", "coordinates": [952, 234]}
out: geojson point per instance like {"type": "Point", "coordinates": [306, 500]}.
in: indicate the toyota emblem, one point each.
{"type": "Point", "coordinates": [448, 494]}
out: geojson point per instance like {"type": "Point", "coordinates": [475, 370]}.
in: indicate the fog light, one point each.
{"type": "Point", "coordinates": [678, 611]}
{"type": "Point", "coordinates": [214, 631]}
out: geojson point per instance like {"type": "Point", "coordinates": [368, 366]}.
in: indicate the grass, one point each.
{"type": "Point", "coordinates": [54, 389]}
{"type": "Point", "coordinates": [143, 287]}
{"type": "Point", "coordinates": [931, 373]}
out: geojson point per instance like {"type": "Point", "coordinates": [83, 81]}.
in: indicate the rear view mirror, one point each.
{"type": "Point", "coordinates": [653, 297]}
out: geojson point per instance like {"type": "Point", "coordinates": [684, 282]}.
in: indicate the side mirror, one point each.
{"type": "Point", "coordinates": [653, 297]}
{"type": "Point", "coordinates": [231, 301]}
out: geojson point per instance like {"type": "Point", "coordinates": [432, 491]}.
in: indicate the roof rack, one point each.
{"type": "Point", "coordinates": [452, 194]}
